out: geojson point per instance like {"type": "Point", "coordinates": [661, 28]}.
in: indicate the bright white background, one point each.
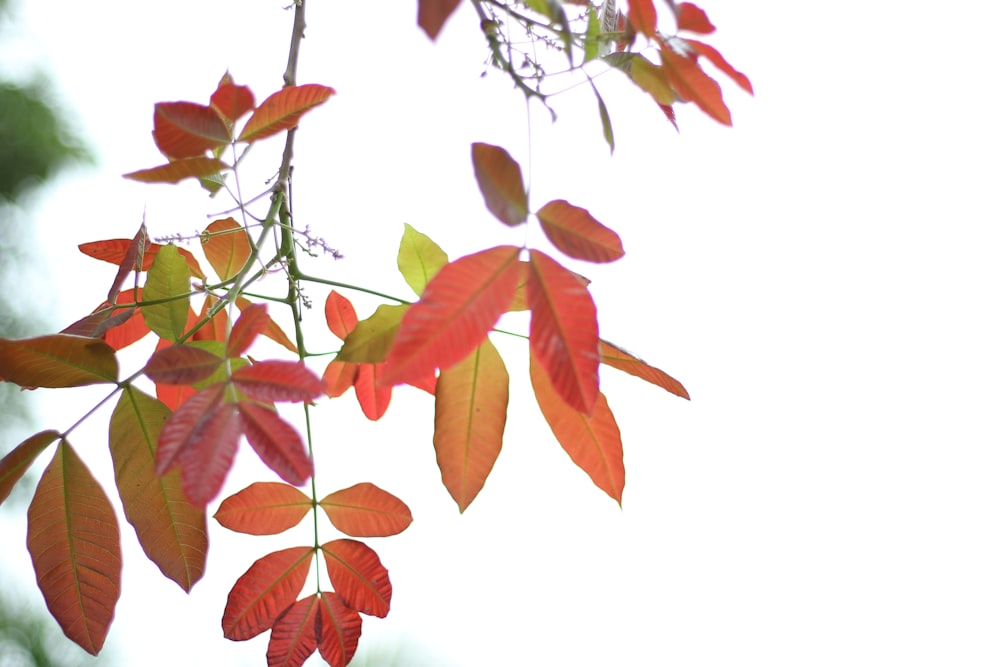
{"type": "Point", "coordinates": [822, 277]}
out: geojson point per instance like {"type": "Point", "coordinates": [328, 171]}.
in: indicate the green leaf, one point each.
{"type": "Point", "coordinates": [602, 109]}
{"type": "Point", "coordinates": [419, 258]}
{"type": "Point", "coordinates": [371, 339]}
{"type": "Point", "coordinates": [169, 280]}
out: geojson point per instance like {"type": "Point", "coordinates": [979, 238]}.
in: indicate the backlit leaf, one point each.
{"type": "Point", "coordinates": [364, 510]}
{"type": "Point", "coordinates": [575, 232]}
{"type": "Point", "coordinates": [230, 101]}
{"type": "Point", "coordinates": [372, 395]}
{"type": "Point", "coordinates": [339, 630]}
{"type": "Point", "coordinates": [593, 442]}
{"type": "Point", "coordinates": [500, 181]}
{"type": "Point", "coordinates": [456, 311]}
{"type": "Point", "coordinates": [279, 380]}
{"type": "Point", "coordinates": [100, 321]}
{"type": "Point", "coordinates": [602, 110]}
{"type": "Point", "coordinates": [131, 262]}
{"type": "Point", "coordinates": [419, 258]}
{"type": "Point", "coordinates": [114, 251]}
{"type": "Point", "coordinates": [75, 549]}
{"type": "Point", "coordinates": [293, 637]}
{"type": "Point", "coordinates": [217, 327]}
{"type": "Point", "coordinates": [358, 576]}
{"type": "Point", "coordinates": [170, 529]}
{"type": "Point", "coordinates": [339, 376]}
{"type": "Point", "coordinates": [226, 246]}
{"type": "Point", "coordinates": [652, 79]}
{"type": "Point", "coordinates": [168, 281]}
{"type": "Point", "coordinates": [263, 508]}
{"type": "Point", "coordinates": [432, 14]}
{"type": "Point", "coordinates": [340, 315]}
{"type": "Point", "coordinates": [277, 444]}
{"type": "Point", "coordinates": [716, 59]}
{"type": "Point", "coordinates": [178, 170]}
{"type": "Point", "coordinates": [282, 110]}
{"type": "Point", "coordinates": [186, 129]}
{"type": "Point", "coordinates": [470, 412]}
{"type": "Point", "coordinates": [642, 15]}
{"type": "Point", "coordinates": [251, 322]}
{"type": "Point", "coordinates": [58, 360]}
{"type": "Point", "coordinates": [19, 459]}
{"type": "Point", "coordinates": [272, 331]}
{"type": "Point", "coordinates": [563, 331]}
{"type": "Point", "coordinates": [133, 328]}
{"type": "Point", "coordinates": [616, 357]}
{"type": "Point", "coordinates": [264, 591]}
{"type": "Point", "coordinates": [181, 364]}
{"type": "Point", "coordinates": [692, 18]}
{"type": "Point", "coordinates": [370, 339]}
{"type": "Point", "coordinates": [691, 83]}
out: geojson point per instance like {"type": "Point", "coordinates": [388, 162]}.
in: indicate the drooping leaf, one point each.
{"type": "Point", "coordinates": [282, 110]}
{"type": "Point", "coordinates": [456, 311]}
{"type": "Point", "coordinates": [277, 444]}
{"type": "Point", "coordinates": [272, 331]}
{"type": "Point", "coordinates": [592, 42]}
{"type": "Point", "coordinates": [263, 508]}
{"type": "Point", "coordinates": [100, 321]}
{"type": "Point", "coordinates": [251, 322]}
{"type": "Point", "coordinates": [419, 258]}
{"type": "Point", "coordinates": [170, 529]}
{"type": "Point", "coordinates": [75, 549]}
{"type": "Point", "coordinates": [616, 357]}
{"type": "Point", "coordinates": [178, 170]}
{"type": "Point", "coordinates": [131, 262]}
{"type": "Point", "coordinates": [693, 18]}
{"type": "Point", "coordinates": [592, 441]}
{"type": "Point", "coordinates": [230, 101]}
{"type": "Point", "coordinates": [358, 576]}
{"type": "Point", "coordinates": [264, 591]}
{"type": "Point", "coordinates": [340, 315]}
{"type": "Point", "coordinates": [602, 110]}
{"type": "Point", "coordinates": [371, 339]}
{"type": "Point", "coordinates": [691, 83]}
{"type": "Point", "coordinates": [372, 395]}
{"type": "Point", "coordinates": [338, 631]}
{"type": "Point", "coordinates": [19, 459]}
{"type": "Point", "coordinates": [500, 181]}
{"type": "Point", "coordinates": [226, 246]}
{"type": "Point", "coordinates": [652, 79]}
{"type": "Point", "coordinates": [181, 364]}
{"type": "Point", "coordinates": [169, 282]}
{"type": "Point", "coordinates": [293, 637]}
{"type": "Point", "coordinates": [575, 232]}
{"type": "Point", "coordinates": [642, 16]}
{"type": "Point", "coordinates": [114, 251]}
{"type": "Point", "coordinates": [365, 510]}
{"type": "Point", "coordinates": [432, 14]}
{"type": "Point", "coordinates": [185, 129]}
{"type": "Point", "coordinates": [339, 376]}
{"type": "Point", "coordinates": [563, 331]}
{"type": "Point", "coordinates": [279, 380]}
{"type": "Point", "coordinates": [716, 59]}
{"type": "Point", "coordinates": [470, 412]}
{"type": "Point", "coordinates": [57, 360]}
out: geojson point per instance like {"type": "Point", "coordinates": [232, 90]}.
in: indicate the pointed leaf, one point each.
{"type": "Point", "coordinates": [252, 321]}
{"type": "Point", "coordinates": [358, 576]}
{"type": "Point", "coordinates": [181, 364]}
{"type": "Point", "coordinates": [226, 246]}
{"type": "Point", "coordinates": [432, 14]}
{"type": "Point", "coordinates": [75, 549]}
{"type": "Point", "coordinates": [217, 328]}
{"type": "Point", "coordinates": [470, 412]}
{"type": "Point", "coordinates": [692, 18]}
{"type": "Point", "coordinates": [616, 357]}
{"type": "Point", "coordinates": [575, 232]}
{"type": "Point", "coordinates": [563, 332]}
{"type": "Point", "coordinates": [272, 331]}
{"type": "Point", "coordinates": [114, 251]}
{"type": "Point", "coordinates": [340, 316]}
{"type": "Point", "coordinates": [186, 129]}
{"type": "Point", "coordinates": [338, 631]}
{"type": "Point", "coordinates": [419, 258]}
{"type": "Point", "coordinates": [373, 396]}
{"type": "Point", "coordinates": [170, 529]}
{"type": "Point", "coordinates": [19, 459]}
{"type": "Point", "coordinates": [131, 262]}
{"type": "Point", "coordinates": [132, 328]}
{"type": "Point", "coordinates": [293, 637]}
{"type": "Point", "coordinates": [602, 110]}
{"type": "Point", "coordinates": [169, 282]}
{"type": "Point", "coordinates": [500, 181]}
{"type": "Point", "coordinates": [278, 380]}
{"type": "Point", "coordinates": [716, 59]}
{"type": "Point", "coordinates": [100, 321]}
{"type": "Point", "coordinates": [456, 311]}
{"type": "Point", "coordinates": [264, 591]}
{"type": "Point", "coordinates": [339, 376]}
{"type": "Point", "coordinates": [56, 361]}
{"type": "Point", "coordinates": [178, 170]}
{"type": "Point", "coordinates": [691, 83]}
{"type": "Point", "coordinates": [282, 111]}
{"type": "Point", "coordinates": [230, 101]}
{"type": "Point", "coordinates": [642, 15]}
{"type": "Point", "coordinates": [593, 442]}
{"type": "Point", "coordinates": [370, 340]}
{"type": "Point", "coordinates": [364, 510]}
{"type": "Point", "coordinates": [277, 444]}
{"type": "Point", "coordinates": [263, 508]}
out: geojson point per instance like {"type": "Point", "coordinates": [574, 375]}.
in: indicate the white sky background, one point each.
{"type": "Point", "coordinates": [822, 278]}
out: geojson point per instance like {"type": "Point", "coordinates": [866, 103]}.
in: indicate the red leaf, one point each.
{"type": "Point", "coordinates": [277, 444]}
{"type": "Point", "coordinates": [364, 510]}
{"type": "Point", "coordinates": [114, 251]}
{"type": "Point", "coordinates": [267, 589]}
{"type": "Point", "coordinates": [668, 110]}
{"type": "Point", "coordinates": [642, 15]}
{"type": "Point", "coordinates": [592, 441]}
{"type": "Point", "coordinates": [186, 129]}
{"type": "Point", "coordinates": [358, 576]}
{"type": "Point", "coordinates": [178, 170]}
{"type": "Point", "coordinates": [19, 459]}
{"type": "Point", "coordinates": [693, 19]}
{"type": "Point", "coordinates": [500, 181]}
{"type": "Point", "coordinates": [131, 262]}
{"type": "Point", "coordinates": [226, 246]}
{"type": "Point", "coordinates": [263, 508]}
{"type": "Point", "coordinates": [340, 315]}
{"type": "Point", "coordinates": [616, 357]}
{"type": "Point", "coordinates": [338, 631]}
{"type": "Point", "coordinates": [181, 364]}
{"type": "Point", "coordinates": [457, 309]}
{"type": "Point", "coordinates": [231, 101]}
{"type": "Point", "coordinates": [273, 331]}
{"type": "Point", "coordinates": [133, 328]}
{"type": "Point", "coordinates": [691, 83]}
{"type": "Point", "coordinates": [282, 111]}
{"type": "Point", "coordinates": [716, 59]}
{"type": "Point", "coordinates": [373, 396]}
{"type": "Point", "coordinates": [57, 361]}
{"type": "Point", "coordinates": [431, 15]}
{"type": "Point", "coordinates": [575, 232]}
{"type": "Point", "coordinates": [251, 322]}
{"type": "Point", "coordinates": [278, 380]}
{"type": "Point", "coordinates": [293, 638]}
{"type": "Point", "coordinates": [340, 376]}
{"type": "Point", "coordinates": [563, 332]}
{"type": "Point", "coordinates": [75, 549]}
{"type": "Point", "coordinates": [217, 327]}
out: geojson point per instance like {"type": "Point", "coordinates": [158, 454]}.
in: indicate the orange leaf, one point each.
{"type": "Point", "coordinates": [178, 170]}
{"type": "Point", "coordinates": [339, 376]}
{"type": "Point", "coordinates": [170, 529]}
{"type": "Point", "coordinates": [364, 510]}
{"type": "Point", "coordinates": [563, 332]}
{"type": "Point", "coordinates": [272, 331]}
{"type": "Point", "coordinates": [19, 459]}
{"type": "Point", "coordinates": [226, 246]}
{"type": "Point", "coordinates": [131, 262]}
{"type": "Point", "coordinates": [642, 15]}
{"type": "Point", "coordinates": [593, 442]}
{"type": "Point", "coordinates": [716, 59]}
{"type": "Point", "coordinates": [277, 444]}
{"type": "Point", "coordinates": [575, 232]}
{"type": "Point", "coordinates": [58, 360]}
{"type": "Point", "coordinates": [263, 508]}
{"type": "Point", "coordinates": [251, 322]}
{"type": "Point", "coordinates": [616, 357]}
{"type": "Point", "coordinates": [133, 328]}
{"type": "Point", "coordinates": [75, 549]}
{"type": "Point", "coordinates": [282, 111]}
{"type": "Point", "coordinates": [340, 315]}
{"type": "Point", "coordinates": [370, 340]}
{"type": "Point", "coordinates": [339, 630]}
{"type": "Point", "coordinates": [217, 327]}
{"type": "Point", "coordinates": [181, 364]}
{"type": "Point", "coordinates": [693, 19]}
{"type": "Point", "coordinates": [358, 576]}
{"type": "Point", "coordinates": [470, 412]}
{"type": "Point", "coordinates": [231, 101]}
{"type": "Point", "coordinates": [500, 181]}
{"type": "Point", "coordinates": [293, 637]}
{"type": "Point", "coordinates": [372, 395]}
{"type": "Point", "coordinates": [457, 309]}
{"type": "Point", "coordinates": [279, 380]}
{"type": "Point", "coordinates": [114, 251]}
{"type": "Point", "coordinates": [264, 591]}
{"type": "Point", "coordinates": [431, 15]}
{"type": "Point", "coordinates": [186, 129]}
{"type": "Point", "coordinates": [691, 83]}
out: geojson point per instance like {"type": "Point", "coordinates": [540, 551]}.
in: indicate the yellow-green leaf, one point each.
{"type": "Point", "coordinates": [419, 258]}
{"type": "Point", "coordinates": [169, 282]}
